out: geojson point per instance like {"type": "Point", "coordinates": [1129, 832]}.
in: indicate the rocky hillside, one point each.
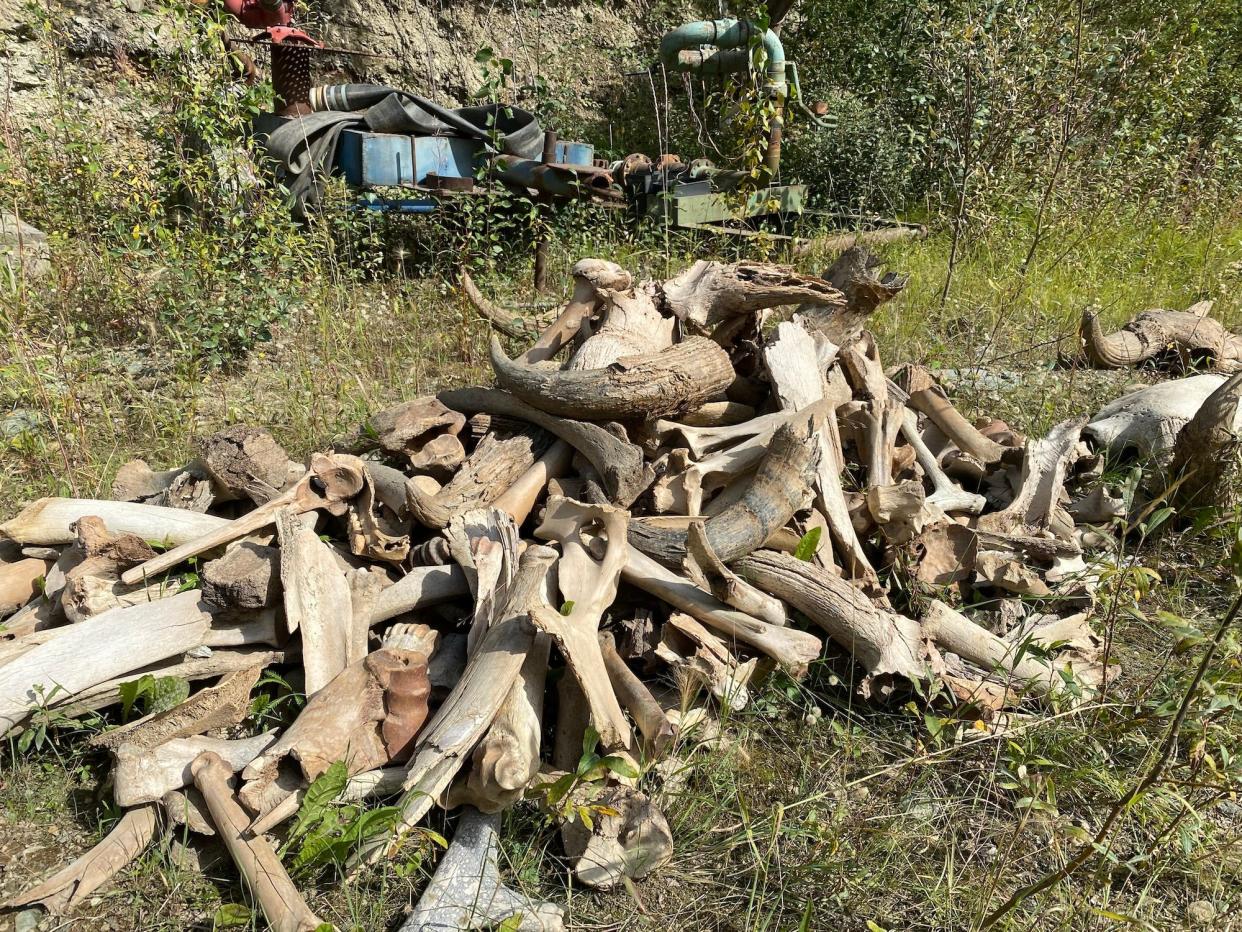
{"type": "Point", "coordinates": [572, 55]}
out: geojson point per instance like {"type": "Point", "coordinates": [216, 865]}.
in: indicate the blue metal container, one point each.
{"type": "Point", "coordinates": [574, 153]}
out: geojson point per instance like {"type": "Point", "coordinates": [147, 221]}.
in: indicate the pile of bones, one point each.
{"type": "Point", "coordinates": [679, 488]}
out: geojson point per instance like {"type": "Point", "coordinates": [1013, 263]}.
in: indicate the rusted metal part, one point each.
{"type": "Point", "coordinates": [259, 14]}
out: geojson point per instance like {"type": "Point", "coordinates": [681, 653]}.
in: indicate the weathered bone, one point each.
{"type": "Point", "coordinates": [634, 695]}
{"type": "Point", "coordinates": [708, 571]}
{"type": "Point", "coordinates": [466, 891]}
{"type": "Point", "coordinates": [789, 647]}
{"type": "Point", "coordinates": [1202, 454]}
{"type": "Point", "coordinates": [51, 521]}
{"type": "Point", "coordinates": [853, 274]}
{"type": "Point", "coordinates": [122, 640]}
{"type": "Point", "coordinates": [520, 498]}
{"type": "Point", "coordinates": [472, 705]}
{"type": "Point", "coordinates": [19, 583]}
{"type": "Point", "coordinates": [946, 495]}
{"type": "Point", "coordinates": [246, 577]}
{"type": "Point", "coordinates": [145, 774]}
{"type": "Point", "coordinates": [245, 462]}
{"type": "Point", "coordinates": [345, 721]}
{"type": "Point", "coordinates": [1191, 334]}
{"type": "Point", "coordinates": [699, 657]}
{"type": "Point", "coordinates": [620, 464]}
{"type": "Point", "coordinates": [630, 841]}
{"type": "Point", "coordinates": [317, 600]}
{"type": "Point", "coordinates": [1149, 420]}
{"type": "Point", "coordinates": [926, 397]}
{"type": "Point", "coordinates": [885, 643]}
{"type": "Point", "coordinates": [632, 326]}
{"type": "Point", "coordinates": [1043, 480]}
{"type": "Point", "coordinates": [421, 587]}
{"type": "Point", "coordinates": [703, 440]}
{"type": "Point", "coordinates": [779, 488]}
{"type": "Point", "coordinates": [492, 467]}
{"type": "Point", "coordinates": [793, 366]}
{"type": "Point", "coordinates": [711, 296]}
{"type": "Point", "coordinates": [588, 586]}
{"type": "Point", "coordinates": [328, 484]}
{"type": "Point", "coordinates": [592, 277]}
{"type": "Point", "coordinates": [484, 542]}
{"type": "Point", "coordinates": [224, 704]}
{"type": "Point", "coordinates": [258, 864]}
{"type": "Point", "coordinates": [672, 381]}
{"type": "Point", "coordinates": [73, 884]}
{"type": "Point", "coordinates": [379, 522]}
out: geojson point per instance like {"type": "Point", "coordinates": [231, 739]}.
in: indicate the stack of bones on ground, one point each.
{"type": "Point", "coordinates": [645, 515]}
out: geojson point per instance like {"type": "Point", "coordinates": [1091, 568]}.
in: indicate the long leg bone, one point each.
{"type": "Point", "coordinates": [258, 864]}
{"type": "Point", "coordinates": [592, 277]}
{"type": "Point", "coordinates": [330, 482]}
{"type": "Point", "coordinates": [466, 891]}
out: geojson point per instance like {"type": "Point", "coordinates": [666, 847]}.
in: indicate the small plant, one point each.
{"type": "Point", "coordinates": [328, 830]}
{"type": "Point", "coordinates": [570, 796]}
{"type": "Point", "coordinates": [156, 693]}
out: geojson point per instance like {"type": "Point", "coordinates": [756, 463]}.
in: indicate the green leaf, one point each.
{"type": "Point", "coordinates": [567, 608]}
{"type": "Point", "coordinates": [166, 692]}
{"type": "Point", "coordinates": [590, 740]}
{"type": "Point", "coordinates": [232, 916]}
{"type": "Point", "coordinates": [621, 766]}
{"type": "Point", "coordinates": [808, 545]}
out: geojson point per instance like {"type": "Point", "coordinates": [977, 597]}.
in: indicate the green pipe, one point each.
{"type": "Point", "coordinates": [730, 38]}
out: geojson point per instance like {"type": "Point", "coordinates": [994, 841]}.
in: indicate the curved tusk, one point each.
{"type": "Point", "coordinates": [674, 380]}
{"type": "Point", "coordinates": [779, 488]}
{"type": "Point", "coordinates": [1120, 350]}
{"type": "Point", "coordinates": [507, 323]}
{"type": "Point", "coordinates": [1198, 452]}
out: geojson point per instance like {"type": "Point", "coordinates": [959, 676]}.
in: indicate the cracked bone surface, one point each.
{"type": "Point", "coordinates": [328, 484]}
{"type": "Point", "coordinates": [1147, 421]}
{"type": "Point", "coordinates": [466, 891]}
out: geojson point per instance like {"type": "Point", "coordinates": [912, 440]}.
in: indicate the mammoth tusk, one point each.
{"type": "Point", "coordinates": [1119, 350]}
{"type": "Point", "coordinates": [671, 381]}
{"type": "Point", "coordinates": [779, 488]}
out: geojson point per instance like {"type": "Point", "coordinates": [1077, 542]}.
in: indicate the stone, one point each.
{"type": "Point", "coordinates": [23, 248]}
{"type": "Point", "coordinates": [1201, 913]}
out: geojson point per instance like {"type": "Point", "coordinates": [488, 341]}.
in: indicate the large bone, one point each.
{"type": "Point", "coordinates": [330, 482]}
{"type": "Point", "coordinates": [779, 488]}
{"type": "Point", "coordinates": [709, 572]}
{"type": "Point", "coordinates": [421, 587]}
{"type": "Point", "coordinates": [1202, 455]}
{"type": "Point", "coordinates": [345, 721]}
{"type": "Point", "coordinates": [629, 840]}
{"type": "Point", "coordinates": [672, 381]}
{"type": "Point", "coordinates": [120, 641]}
{"type": "Point", "coordinates": [789, 647]}
{"type": "Point", "coordinates": [926, 397]}
{"type": "Point", "coordinates": [219, 706]}
{"type": "Point", "coordinates": [620, 464]}
{"type": "Point", "coordinates": [701, 441]}
{"type": "Point", "coordinates": [885, 643]}
{"type": "Point", "coordinates": [520, 498]}
{"type": "Point", "coordinates": [258, 864]}
{"type": "Point", "coordinates": [484, 542]}
{"type": "Point", "coordinates": [699, 657]}
{"type": "Point", "coordinates": [632, 326]}
{"type": "Point", "coordinates": [245, 462]}
{"type": "Point", "coordinates": [1191, 334]}
{"type": "Point", "coordinates": [853, 274]}
{"type": "Point", "coordinates": [19, 583]}
{"type": "Point", "coordinates": [710, 297]}
{"type": "Point", "coordinates": [946, 495]}
{"type": "Point", "coordinates": [797, 378]}
{"type": "Point", "coordinates": [1036, 504]}
{"type": "Point", "coordinates": [466, 891]}
{"type": "Point", "coordinates": [379, 521]}
{"type": "Point", "coordinates": [592, 277]}
{"type": "Point", "coordinates": [472, 705]}
{"type": "Point", "coordinates": [50, 521]}
{"type": "Point", "coordinates": [73, 884]}
{"type": "Point", "coordinates": [492, 467]}
{"type": "Point", "coordinates": [317, 600]}
{"type": "Point", "coordinates": [588, 586]}
{"type": "Point", "coordinates": [1149, 420]}
{"type": "Point", "coordinates": [633, 693]}
{"type": "Point", "coordinates": [145, 775]}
